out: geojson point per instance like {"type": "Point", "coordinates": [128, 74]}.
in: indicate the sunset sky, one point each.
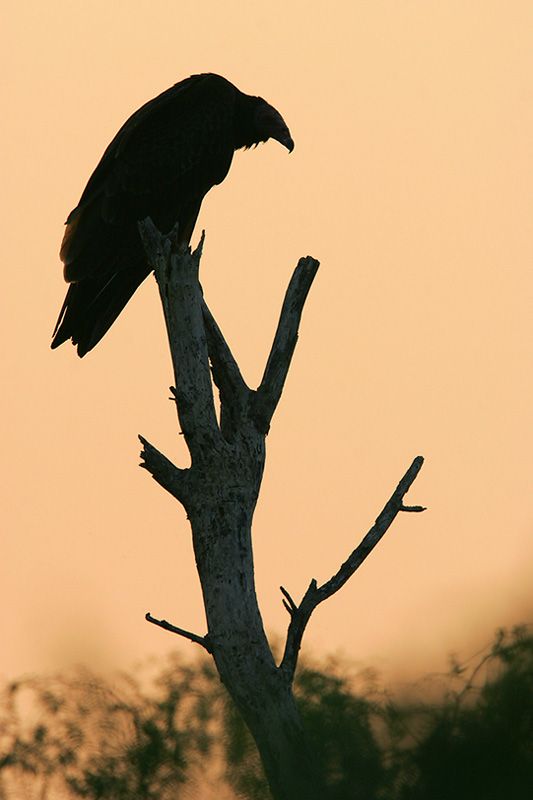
{"type": "Point", "coordinates": [411, 182]}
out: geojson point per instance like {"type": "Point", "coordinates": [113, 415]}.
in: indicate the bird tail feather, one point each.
{"type": "Point", "coordinates": [92, 305]}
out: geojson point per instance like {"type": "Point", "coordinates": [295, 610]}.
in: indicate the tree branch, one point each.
{"type": "Point", "coordinates": [162, 470]}
{"type": "Point", "coordinates": [315, 594]}
{"type": "Point", "coordinates": [193, 637]}
{"type": "Point", "coordinates": [233, 391]}
{"type": "Point", "coordinates": [226, 372]}
{"type": "Point", "coordinates": [279, 360]}
{"type": "Point", "coordinates": [176, 270]}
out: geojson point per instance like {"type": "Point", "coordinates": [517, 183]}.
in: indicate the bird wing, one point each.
{"type": "Point", "coordinates": [168, 154]}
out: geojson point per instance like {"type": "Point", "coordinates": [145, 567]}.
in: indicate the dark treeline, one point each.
{"type": "Point", "coordinates": [464, 735]}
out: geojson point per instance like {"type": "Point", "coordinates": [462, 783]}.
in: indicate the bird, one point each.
{"type": "Point", "coordinates": [161, 164]}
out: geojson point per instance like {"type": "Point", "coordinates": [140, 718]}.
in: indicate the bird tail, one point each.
{"type": "Point", "coordinates": [92, 305]}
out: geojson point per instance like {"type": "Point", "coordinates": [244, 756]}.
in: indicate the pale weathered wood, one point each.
{"type": "Point", "coordinates": [300, 614]}
{"type": "Point", "coordinates": [219, 492]}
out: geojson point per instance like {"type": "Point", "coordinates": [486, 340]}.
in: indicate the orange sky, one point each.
{"type": "Point", "coordinates": [411, 182]}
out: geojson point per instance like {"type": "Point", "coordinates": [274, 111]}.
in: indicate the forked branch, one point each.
{"type": "Point", "coordinates": [200, 353]}
{"type": "Point", "coordinates": [315, 594]}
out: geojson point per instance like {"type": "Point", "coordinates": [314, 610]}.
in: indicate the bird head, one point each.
{"type": "Point", "coordinates": [269, 124]}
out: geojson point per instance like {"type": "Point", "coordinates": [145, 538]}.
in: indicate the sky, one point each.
{"type": "Point", "coordinates": [411, 182]}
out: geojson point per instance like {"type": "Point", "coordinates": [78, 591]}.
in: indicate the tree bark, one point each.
{"type": "Point", "coordinates": [219, 492]}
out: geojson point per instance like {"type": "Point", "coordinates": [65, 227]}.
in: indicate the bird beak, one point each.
{"type": "Point", "coordinates": [271, 125]}
{"type": "Point", "coordinates": [286, 140]}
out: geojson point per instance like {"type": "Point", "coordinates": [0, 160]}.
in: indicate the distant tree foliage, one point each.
{"type": "Point", "coordinates": [476, 742]}
{"type": "Point", "coordinates": [468, 734]}
{"type": "Point", "coordinates": [82, 736]}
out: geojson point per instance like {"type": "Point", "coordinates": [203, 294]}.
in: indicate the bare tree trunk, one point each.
{"type": "Point", "coordinates": [221, 520]}
{"type": "Point", "coordinates": [219, 492]}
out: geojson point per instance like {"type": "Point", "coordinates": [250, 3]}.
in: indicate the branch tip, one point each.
{"type": "Point", "coordinates": [292, 605]}
{"type": "Point", "coordinates": [167, 626]}
{"type": "Point", "coordinates": [288, 608]}
{"type": "Point", "coordinates": [197, 253]}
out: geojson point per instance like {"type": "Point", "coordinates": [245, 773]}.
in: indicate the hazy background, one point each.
{"type": "Point", "coordinates": [411, 182]}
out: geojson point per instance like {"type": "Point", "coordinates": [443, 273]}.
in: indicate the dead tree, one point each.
{"type": "Point", "coordinates": [219, 492]}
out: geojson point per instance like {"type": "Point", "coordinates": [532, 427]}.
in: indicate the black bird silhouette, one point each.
{"type": "Point", "coordinates": [161, 164]}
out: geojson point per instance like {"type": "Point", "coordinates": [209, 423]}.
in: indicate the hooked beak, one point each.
{"type": "Point", "coordinates": [271, 125]}
{"type": "Point", "coordinates": [285, 139]}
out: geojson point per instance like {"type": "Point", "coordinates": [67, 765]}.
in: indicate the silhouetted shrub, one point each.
{"type": "Point", "coordinates": [468, 734]}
